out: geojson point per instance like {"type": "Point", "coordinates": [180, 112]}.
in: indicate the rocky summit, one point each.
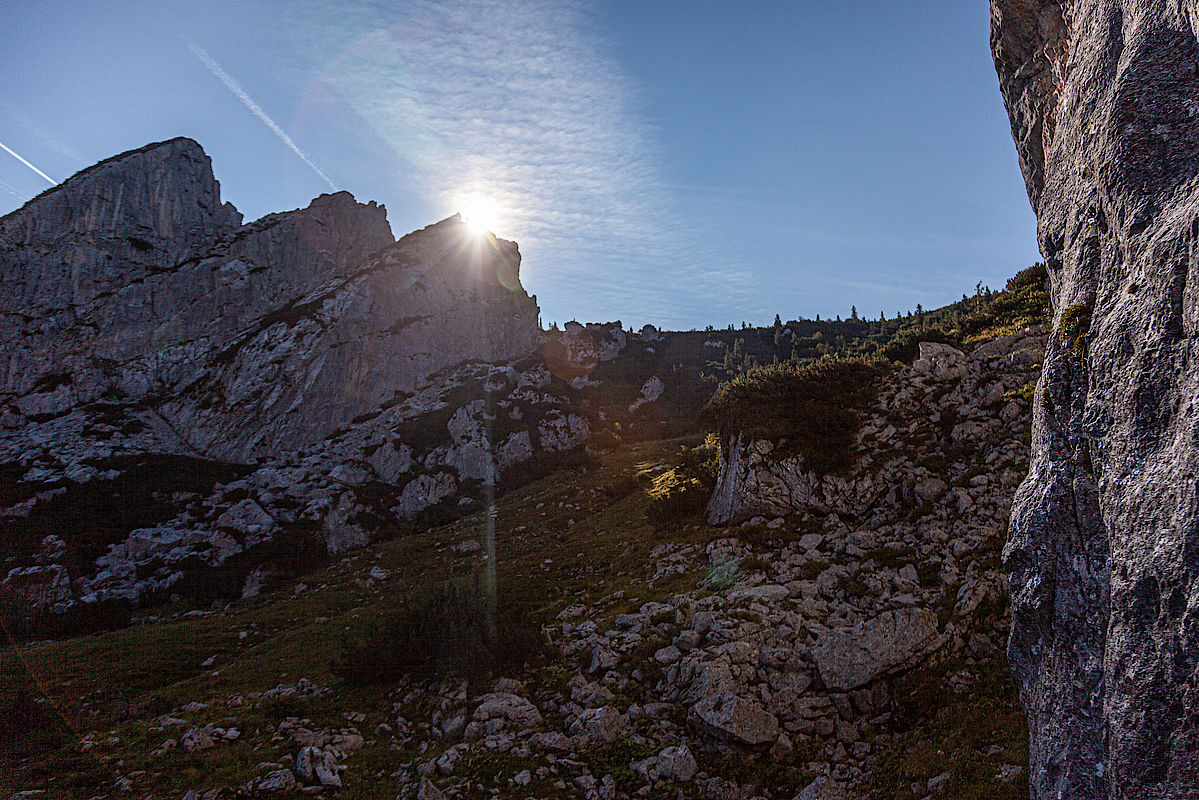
{"type": "Point", "coordinates": [1104, 547]}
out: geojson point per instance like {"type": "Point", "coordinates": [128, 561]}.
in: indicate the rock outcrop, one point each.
{"type": "Point", "coordinates": [131, 281]}
{"type": "Point", "coordinates": [949, 400]}
{"type": "Point", "coordinates": [1103, 554]}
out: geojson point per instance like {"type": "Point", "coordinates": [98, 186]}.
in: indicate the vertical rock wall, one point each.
{"type": "Point", "coordinates": [1103, 553]}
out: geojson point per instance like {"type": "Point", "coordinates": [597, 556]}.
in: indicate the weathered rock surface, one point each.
{"type": "Point", "coordinates": [851, 658]}
{"type": "Point", "coordinates": [1104, 541]}
{"type": "Point", "coordinates": [736, 719]}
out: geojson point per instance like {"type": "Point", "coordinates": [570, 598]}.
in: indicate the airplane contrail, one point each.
{"type": "Point", "coordinates": [249, 103]}
{"type": "Point", "coordinates": [13, 191]}
{"type": "Point", "coordinates": [17, 156]}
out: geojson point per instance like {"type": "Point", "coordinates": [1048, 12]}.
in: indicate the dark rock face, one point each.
{"type": "Point", "coordinates": [133, 279]}
{"type": "Point", "coordinates": [1104, 545]}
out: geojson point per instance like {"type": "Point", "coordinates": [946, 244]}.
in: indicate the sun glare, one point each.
{"type": "Point", "coordinates": [478, 213]}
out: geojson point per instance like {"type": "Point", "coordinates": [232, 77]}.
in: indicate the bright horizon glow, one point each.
{"type": "Point", "coordinates": [478, 213]}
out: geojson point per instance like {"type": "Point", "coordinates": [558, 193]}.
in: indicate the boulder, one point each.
{"type": "Point", "coordinates": [847, 659]}
{"type": "Point", "coordinates": [676, 764]}
{"type": "Point", "coordinates": [735, 718]}
{"type": "Point", "coordinates": [279, 781]}
{"type": "Point", "coordinates": [316, 766]}
{"type": "Point", "coordinates": [510, 707]}
{"type": "Point", "coordinates": [598, 725]}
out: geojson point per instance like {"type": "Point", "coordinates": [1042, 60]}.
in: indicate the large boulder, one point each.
{"type": "Point", "coordinates": [1102, 553]}
{"type": "Point", "coordinates": [851, 658]}
{"type": "Point", "coordinates": [734, 718]}
{"type": "Point", "coordinates": [506, 706]}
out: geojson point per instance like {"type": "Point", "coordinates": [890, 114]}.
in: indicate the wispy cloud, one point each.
{"type": "Point", "coordinates": [516, 100]}
{"type": "Point", "coordinates": [241, 94]}
{"type": "Point", "coordinates": [18, 157]}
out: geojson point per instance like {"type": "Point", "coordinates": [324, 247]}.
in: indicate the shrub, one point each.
{"type": "Point", "coordinates": [684, 489]}
{"type": "Point", "coordinates": [905, 344]}
{"type": "Point", "coordinates": [1075, 322]}
{"type": "Point", "coordinates": [812, 409]}
{"type": "Point", "coordinates": [442, 631]}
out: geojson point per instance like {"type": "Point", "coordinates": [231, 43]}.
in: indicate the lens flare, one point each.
{"type": "Point", "coordinates": [478, 212]}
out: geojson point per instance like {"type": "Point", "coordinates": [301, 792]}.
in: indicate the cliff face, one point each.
{"type": "Point", "coordinates": [132, 279]}
{"type": "Point", "coordinates": [1104, 547]}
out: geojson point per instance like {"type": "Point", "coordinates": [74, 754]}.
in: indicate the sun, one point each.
{"type": "Point", "coordinates": [478, 213]}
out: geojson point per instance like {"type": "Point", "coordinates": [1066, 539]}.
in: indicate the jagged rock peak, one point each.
{"type": "Point", "coordinates": [163, 194]}
{"type": "Point", "coordinates": [453, 245]}
{"type": "Point", "coordinates": [338, 227]}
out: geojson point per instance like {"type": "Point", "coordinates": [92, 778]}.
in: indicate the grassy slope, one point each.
{"type": "Point", "coordinates": [91, 681]}
{"type": "Point", "coordinates": [116, 684]}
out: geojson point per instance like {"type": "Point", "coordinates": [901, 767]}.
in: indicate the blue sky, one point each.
{"type": "Point", "coordinates": [682, 163]}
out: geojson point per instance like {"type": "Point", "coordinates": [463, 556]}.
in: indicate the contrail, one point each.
{"type": "Point", "coordinates": [11, 190]}
{"type": "Point", "coordinates": [17, 156]}
{"type": "Point", "coordinates": [235, 87]}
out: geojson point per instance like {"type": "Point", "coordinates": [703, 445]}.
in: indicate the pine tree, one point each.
{"type": "Point", "coordinates": [853, 312]}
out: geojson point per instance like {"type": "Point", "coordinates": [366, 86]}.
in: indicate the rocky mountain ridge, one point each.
{"type": "Point", "coordinates": [156, 348]}
{"type": "Point", "coordinates": [191, 407]}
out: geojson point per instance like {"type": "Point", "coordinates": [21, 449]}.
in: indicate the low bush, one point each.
{"type": "Point", "coordinates": [905, 344]}
{"type": "Point", "coordinates": [684, 489]}
{"type": "Point", "coordinates": [444, 630]}
{"type": "Point", "coordinates": [812, 409]}
{"type": "Point", "coordinates": [1076, 321]}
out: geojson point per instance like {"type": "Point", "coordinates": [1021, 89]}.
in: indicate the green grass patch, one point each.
{"type": "Point", "coordinates": [446, 630]}
{"type": "Point", "coordinates": [1074, 324]}
{"type": "Point", "coordinates": [969, 735]}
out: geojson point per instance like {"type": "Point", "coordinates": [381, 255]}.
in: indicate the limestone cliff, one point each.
{"type": "Point", "coordinates": [132, 280]}
{"type": "Point", "coordinates": [1104, 548]}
